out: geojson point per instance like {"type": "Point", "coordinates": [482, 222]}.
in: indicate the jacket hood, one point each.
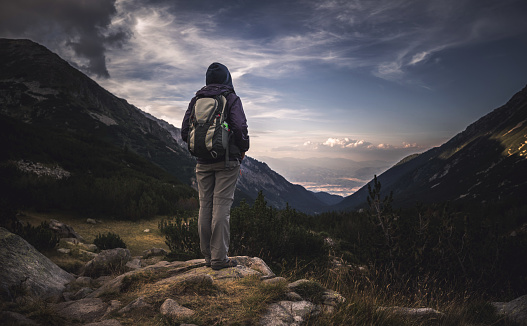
{"type": "Point", "coordinates": [218, 74]}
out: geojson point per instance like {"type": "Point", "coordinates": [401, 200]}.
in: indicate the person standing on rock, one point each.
{"type": "Point", "coordinates": [216, 174]}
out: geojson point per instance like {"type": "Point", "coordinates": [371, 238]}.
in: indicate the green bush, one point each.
{"type": "Point", "coordinates": [40, 237]}
{"type": "Point", "coordinates": [181, 236]}
{"type": "Point", "coordinates": [108, 241]}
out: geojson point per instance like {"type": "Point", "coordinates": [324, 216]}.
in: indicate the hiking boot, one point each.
{"type": "Point", "coordinates": [229, 263]}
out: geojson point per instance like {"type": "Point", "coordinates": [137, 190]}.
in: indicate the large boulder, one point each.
{"type": "Point", "coordinates": [515, 310]}
{"type": "Point", "coordinates": [107, 262]}
{"type": "Point", "coordinates": [26, 271]}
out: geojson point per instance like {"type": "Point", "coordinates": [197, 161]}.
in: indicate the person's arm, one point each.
{"type": "Point", "coordinates": [238, 125]}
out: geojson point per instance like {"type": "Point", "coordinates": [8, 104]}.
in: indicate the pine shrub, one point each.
{"type": "Point", "coordinates": [108, 241]}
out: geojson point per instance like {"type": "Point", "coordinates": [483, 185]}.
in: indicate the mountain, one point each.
{"type": "Point", "coordinates": [486, 163]}
{"type": "Point", "coordinates": [39, 88]}
{"type": "Point", "coordinates": [48, 95]}
{"type": "Point", "coordinates": [256, 176]}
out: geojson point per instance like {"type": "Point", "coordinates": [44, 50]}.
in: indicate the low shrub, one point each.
{"type": "Point", "coordinates": [108, 241]}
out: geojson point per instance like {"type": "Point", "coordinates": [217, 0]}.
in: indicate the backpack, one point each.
{"type": "Point", "coordinates": [209, 133]}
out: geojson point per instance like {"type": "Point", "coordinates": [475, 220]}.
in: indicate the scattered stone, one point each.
{"type": "Point", "coordinates": [146, 230]}
{"type": "Point", "coordinates": [172, 309]}
{"type": "Point", "coordinates": [108, 322]}
{"type": "Point", "coordinates": [73, 241]}
{"type": "Point", "coordinates": [293, 296]}
{"type": "Point", "coordinates": [412, 312]}
{"type": "Point", "coordinates": [84, 310]}
{"type": "Point", "coordinates": [82, 293]}
{"type": "Point", "coordinates": [88, 253]}
{"type": "Point", "coordinates": [83, 281]}
{"type": "Point", "coordinates": [138, 303]}
{"type": "Point", "coordinates": [332, 298]}
{"type": "Point", "coordinates": [64, 230]}
{"type": "Point", "coordinates": [256, 264]}
{"type": "Point", "coordinates": [275, 280]}
{"type": "Point", "coordinates": [114, 306]}
{"type": "Point", "coordinates": [134, 263]}
{"type": "Point", "coordinates": [154, 252]}
{"type": "Point", "coordinates": [14, 318]}
{"type": "Point", "coordinates": [91, 221]}
{"type": "Point", "coordinates": [26, 271]}
{"type": "Point", "coordinates": [64, 251]}
{"type": "Point", "coordinates": [107, 262]}
{"type": "Point", "coordinates": [101, 280]}
{"type": "Point", "coordinates": [297, 284]}
{"type": "Point", "coordinates": [515, 310]}
{"type": "Point", "coordinates": [90, 247]}
{"type": "Point", "coordinates": [288, 313]}
{"type": "Point", "coordinates": [40, 169]}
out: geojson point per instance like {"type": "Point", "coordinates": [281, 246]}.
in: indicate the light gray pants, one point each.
{"type": "Point", "coordinates": [216, 185]}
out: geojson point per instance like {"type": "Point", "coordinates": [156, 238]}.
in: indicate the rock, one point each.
{"type": "Point", "coordinates": [134, 263]}
{"type": "Point", "coordinates": [172, 309]}
{"type": "Point", "coordinates": [114, 306]}
{"type": "Point", "coordinates": [83, 281]}
{"type": "Point", "coordinates": [275, 280]}
{"type": "Point", "coordinates": [154, 252]}
{"type": "Point", "coordinates": [288, 313]}
{"type": "Point", "coordinates": [25, 270]}
{"type": "Point", "coordinates": [107, 262]}
{"type": "Point", "coordinates": [515, 310]}
{"type": "Point", "coordinates": [64, 231]}
{"type": "Point", "coordinates": [73, 241]}
{"type": "Point", "coordinates": [109, 322]}
{"type": "Point", "coordinates": [332, 298]}
{"type": "Point", "coordinates": [298, 283]}
{"type": "Point", "coordinates": [64, 251]}
{"type": "Point", "coordinates": [256, 264]}
{"type": "Point", "coordinates": [14, 318]}
{"type": "Point", "coordinates": [138, 303]}
{"type": "Point", "coordinates": [84, 310]}
{"type": "Point", "coordinates": [90, 247]}
{"type": "Point", "coordinates": [82, 293]}
{"type": "Point", "coordinates": [293, 296]}
{"type": "Point", "coordinates": [412, 312]}
{"type": "Point", "coordinates": [88, 254]}
{"type": "Point", "coordinates": [146, 230]}
{"type": "Point", "coordinates": [189, 277]}
{"type": "Point", "coordinates": [91, 221]}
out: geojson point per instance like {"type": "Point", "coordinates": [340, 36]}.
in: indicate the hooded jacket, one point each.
{"type": "Point", "coordinates": [236, 120]}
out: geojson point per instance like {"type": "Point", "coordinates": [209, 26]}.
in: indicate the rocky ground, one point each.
{"type": "Point", "coordinates": [114, 288]}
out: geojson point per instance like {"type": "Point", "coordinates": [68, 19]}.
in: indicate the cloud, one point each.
{"type": "Point", "coordinates": [78, 30]}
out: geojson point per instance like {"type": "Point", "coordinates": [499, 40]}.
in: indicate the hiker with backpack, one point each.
{"type": "Point", "coordinates": [215, 129]}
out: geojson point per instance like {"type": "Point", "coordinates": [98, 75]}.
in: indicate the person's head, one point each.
{"type": "Point", "coordinates": [218, 74]}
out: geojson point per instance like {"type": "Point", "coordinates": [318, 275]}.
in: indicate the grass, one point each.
{"type": "Point", "coordinates": [131, 232]}
{"type": "Point", "coordinates": [243, 301]}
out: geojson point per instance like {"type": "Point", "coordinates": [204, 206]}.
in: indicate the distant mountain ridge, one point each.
{"type": "Point", "coordinates": [39, 88]}
{"type": "Point", "coordinates": [486, 163]}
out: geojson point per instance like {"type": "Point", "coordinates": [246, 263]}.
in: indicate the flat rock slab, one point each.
{"type": "Point", "coordinates": [84, 310]}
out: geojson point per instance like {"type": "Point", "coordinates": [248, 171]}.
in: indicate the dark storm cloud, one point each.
{"type": "Point", "coordinates": [80, 25]}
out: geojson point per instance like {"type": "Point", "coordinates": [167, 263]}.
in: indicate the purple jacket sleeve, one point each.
{"type": "Point", "coordinates": [238, 124]}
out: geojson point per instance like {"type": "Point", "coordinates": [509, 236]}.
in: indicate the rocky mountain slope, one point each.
{"type": "Point", "coordinates": [42, 90]}
{"type": "Point", "coordinates": [486, 163]}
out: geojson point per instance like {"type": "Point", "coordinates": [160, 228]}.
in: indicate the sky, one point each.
{"type": "Point", "coordinates": [356, 79]}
